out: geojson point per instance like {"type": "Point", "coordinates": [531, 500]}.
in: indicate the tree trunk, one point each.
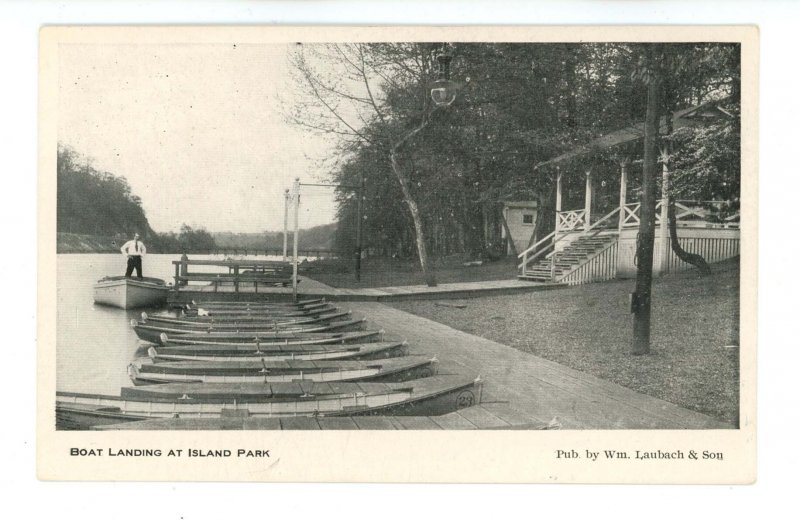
{"type": "Point", "coordinates": [640, 300]}
{"type": "Point", "coordinates": [422, 250]}
{"type": "Point", "coordinates": [509, 239]}
{"type": "Point", "coordinates": [545, 217]}
{"type": "Point", "coordinates": [691, 258]}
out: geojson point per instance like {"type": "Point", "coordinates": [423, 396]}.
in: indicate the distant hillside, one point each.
{"type": "Point", "coordinates": [94, 202]}
{"type": "Point", "coordinates": [316, 238]}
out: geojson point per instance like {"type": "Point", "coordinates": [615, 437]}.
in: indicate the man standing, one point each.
{"type": "Point", "coordinates": [135, 250]}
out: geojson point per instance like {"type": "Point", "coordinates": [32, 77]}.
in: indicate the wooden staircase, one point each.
{"type": "Point", "coordinates": [572, 256]}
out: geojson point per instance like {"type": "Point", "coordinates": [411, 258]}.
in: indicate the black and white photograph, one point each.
{"type": "Point", "coordinates": [295, 232]}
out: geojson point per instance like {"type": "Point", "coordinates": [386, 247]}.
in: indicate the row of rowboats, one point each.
{"type": "Point", "coordinates": [268, 360]}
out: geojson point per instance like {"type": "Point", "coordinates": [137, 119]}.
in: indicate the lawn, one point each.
{"type": "Point", "coordinates": [694, 359]}
{"type": "Point", "coordinates": [379, 272]}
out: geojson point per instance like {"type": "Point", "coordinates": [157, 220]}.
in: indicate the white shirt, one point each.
{"type": "Point", "coordinates": [133, 247]}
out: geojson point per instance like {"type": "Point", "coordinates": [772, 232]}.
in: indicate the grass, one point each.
{"type": "Point", "coordinates": [379, 272]}
{"type": "Point", "coordinates": [694, 358]}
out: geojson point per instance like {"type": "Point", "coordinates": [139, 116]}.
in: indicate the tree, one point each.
{"type": "Point", "coordinates": [651, 75]}
{"type": "Point", "coordinates": [349, 106]}
{"type": "Point", "coordinates": [90, 201]}
{"type": "Point", "coordinates": [459, 165]}
{"type": "Point", "coordinates": [710, 154]}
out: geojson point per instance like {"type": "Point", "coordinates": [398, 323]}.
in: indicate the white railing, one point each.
{"type": "Point", "coordinates": [630, 215]}
{"type": "Point", "coordinates": [535, 251]}
{"type": "Point", "coordinates": [599, 267]}
{"type": "Point", "coordinates": [570, 220]}
{"type": "Point", "coordinates": [687, 214]}
{"type": "Point", "coordinates": [603, 219]}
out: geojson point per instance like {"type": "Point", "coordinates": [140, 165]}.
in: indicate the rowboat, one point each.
{"type": "Point", "coordinates": [152, 332]}
{"type": "Point", "coordinates": [387, 370]}
{"type": "Point", "coordinates": [234, 325]}
{"type": "Point", "coordinates": [254, 304]}
{"type": "Point", "coordinates": [275, 352]}
{"type": "Point", "coordinates": [252, 314]}
{"type": "Point", "coordinates": [426, 396]}
{"type": "Point", "coordinates": [264, 339]}
{"type": "Point", "coordinates": [264, 301]}
{"type": "Point", "coordinates": [129, 293]}
{"type": "Point", "coordinates": [214, 314]}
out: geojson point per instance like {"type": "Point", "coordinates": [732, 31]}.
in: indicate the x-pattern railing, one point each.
{"type": "Point", "coordinates": [630, 215]}
{"type": "Point", "coordinates": [571, 220]}
{"type": "Point", "coordinates": [685, 212]}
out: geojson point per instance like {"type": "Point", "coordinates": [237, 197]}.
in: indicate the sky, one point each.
{"type": "Point", "coordinates": [197, 130]}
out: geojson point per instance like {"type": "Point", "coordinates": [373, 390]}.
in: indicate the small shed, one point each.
{"type": "Point", "coordinates": [520, 216]}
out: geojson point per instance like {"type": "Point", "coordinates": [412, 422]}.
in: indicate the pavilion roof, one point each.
{"type": "Point", "coordinates": [683, 118]}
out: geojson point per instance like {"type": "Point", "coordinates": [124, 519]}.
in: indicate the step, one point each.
{"type": "Point", "coordinates": [543, 273]}
{"type": "Point", "coordinates": [534, 278]}
{"type": "Point", "coordinates": [589, 243]}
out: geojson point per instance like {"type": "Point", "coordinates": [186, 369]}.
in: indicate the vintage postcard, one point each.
{"type": "Point", "coordinates": [398, 254]}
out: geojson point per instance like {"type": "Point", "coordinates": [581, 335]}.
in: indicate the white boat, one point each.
{"type": "Point", "coordinates": [130, 292]}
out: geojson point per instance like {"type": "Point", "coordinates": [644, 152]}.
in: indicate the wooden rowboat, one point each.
{"type": "Point", "coordinates": [252, 354]}
{"type": "Point", "coordinates": [426, 396]}
{"type": "Point", "coordinates": [234, 325]}
{"type": "Point", "coordinates": [387, 370]}
{"type": "Point", "coordinates": [130, 293]}
{"type": "Point", "coordinates": [265, 301]}
{"type": "Point", "coordinates": [251, 315]}
{"type": "Point", "coordinates": [255, 304]}
{"type": "Point", "coordinates": [214, 314]}
{"type": "Point", "coordinates": [271, 338]}
{"type": "Point", "coordinates": [152, 332]}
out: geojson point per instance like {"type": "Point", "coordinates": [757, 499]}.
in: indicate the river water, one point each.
{"type": "Point", "coordinates": [95, 344]}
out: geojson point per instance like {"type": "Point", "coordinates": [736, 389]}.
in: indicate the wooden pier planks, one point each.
{"type": "Point", "coordinates": [483, 417]}
{"type": "Point", "coordinates": [313, 288]}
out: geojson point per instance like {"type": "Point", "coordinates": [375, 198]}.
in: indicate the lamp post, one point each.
{"type": "Point", "coordinates": [444, 90]}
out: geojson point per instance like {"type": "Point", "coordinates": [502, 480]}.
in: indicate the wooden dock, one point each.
{"type": "Point", "coordinates": [310, 288]}
{"type": "Point", "coordinates": [529, 390]}
{"type": "Point", "coordinates": [477, 417]}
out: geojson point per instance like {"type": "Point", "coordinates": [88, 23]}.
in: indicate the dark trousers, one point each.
{"type": "Point", "coordinates": [134, 261]}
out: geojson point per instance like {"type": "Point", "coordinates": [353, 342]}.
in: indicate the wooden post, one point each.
{"type": "Point", "coordinates": [588, 206]}
{"type": "Point", "coordinates": [184, 268]}
{"type": "Point", "coordinates": [664, 224]}
{"type": "Point", "coordinates": [285, 222]}
{"type": "Point", "coordinates": [623, 192]}
{"type": "Point", "coordinates": [296, 227]}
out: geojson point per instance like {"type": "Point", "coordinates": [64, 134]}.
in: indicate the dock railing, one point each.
{"type": "Point", "coordinates": [252, 271]}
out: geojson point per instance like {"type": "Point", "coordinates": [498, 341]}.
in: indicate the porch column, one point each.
{"type": "Point", "coordinates": [558, 189]}
{"type": "Point", "coordinates": [588, 205]}
{"type": "Point", "coordinates": [558, 200]}
{"type": "Point", "coordinates": [663, 229]}
{"type": "Point", "coordinates": [623, 192]}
